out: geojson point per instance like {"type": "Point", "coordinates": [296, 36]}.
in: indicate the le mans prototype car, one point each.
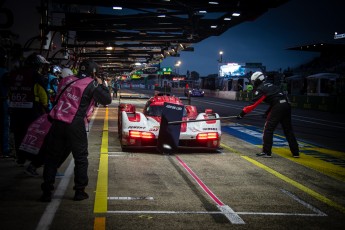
{"type": "Point", "coordinates": [141, 129]}
{"type": "Point", "coordinates": [195, 92]}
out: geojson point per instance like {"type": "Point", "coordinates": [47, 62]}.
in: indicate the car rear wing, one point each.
{"type": "Point", "coordinates": [134, 97]}
{"type": "Point", "coordinates": [186, 99]}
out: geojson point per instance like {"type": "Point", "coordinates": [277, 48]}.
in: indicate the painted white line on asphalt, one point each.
{"type": "Point", "coordinates": [49, 213]}
{"type": "Point", "coordinates": [52, 207]}
{"type": "Point", "coordinates": [230, 214]}
{"type": "Point", "coordinates": [131, 198]}
{"type": "Point", "coordinates": [226, 210]}
{"type": "Point", "coordinates": [215, 212]}
{"type": "Point", "coordinates": [280, 214]}
{"type": "Point", "coordinates": [309, 206]}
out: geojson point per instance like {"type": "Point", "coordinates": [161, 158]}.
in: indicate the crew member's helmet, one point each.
{"type": "Point", "coordinates": [88, 68]}
{"type": "Point", "coordinates": [36, 61]}
{"type": "Point", "coordinates": [257, 78]}
{"type": "Point", "coordinates": [65, 72]}
{"type": "Point", "coordinates": [56, 70]}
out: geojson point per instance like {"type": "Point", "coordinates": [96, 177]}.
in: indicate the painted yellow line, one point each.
{"type": "Point", "coordinates": [334, 153]}
{"type": "Point", "coordinates": [297, 185]}
{"type": "Point", "coordinates": [99, 223]}
{"type": "Point", "coordinates": [328, 168]}
{"type": "Point", "coordinates": [290, 181]}
{"type": "Point", "coordinates": [101, 198]}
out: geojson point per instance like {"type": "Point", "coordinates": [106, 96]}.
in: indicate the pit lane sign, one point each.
{"type": "Point", "coordinates": [166, 70]}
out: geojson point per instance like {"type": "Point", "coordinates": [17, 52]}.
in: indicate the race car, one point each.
{"type": "Point", "coordinates": [194, 93]}
{"type": "Point", "coordinates": [141, 129]}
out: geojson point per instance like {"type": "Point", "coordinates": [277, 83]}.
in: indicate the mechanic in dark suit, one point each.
{"type": "Point", "coordinates": [279, 111]}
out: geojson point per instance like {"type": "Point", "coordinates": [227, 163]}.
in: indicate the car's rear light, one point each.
{"type": "Point", "coordinates": [133, 117]}
{"type": "Point", "coordinates": [147, 135]}
{"type": "Point", "coordinates": [207, 136]}
{"type": "Point", "coordinates": [140, 134]}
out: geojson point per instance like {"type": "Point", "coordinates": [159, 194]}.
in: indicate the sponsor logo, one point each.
{"type": "Point", "coordinates": [136, 127]}
{"type": "Point", "coordinates": [213, 129]}
{"type": "Point", "coordinates": [178, 108]}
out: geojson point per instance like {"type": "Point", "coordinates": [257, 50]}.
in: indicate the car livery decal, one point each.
{"type": "Point", "coordinates": [210, 129]}
{"type": "Point", "coordinates": [136, 127]}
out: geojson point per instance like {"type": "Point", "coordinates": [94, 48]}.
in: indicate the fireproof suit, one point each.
{"type": "Point", "coordinates": [279, 111]}
{"type": "Point", "coordinates": [65, 138]}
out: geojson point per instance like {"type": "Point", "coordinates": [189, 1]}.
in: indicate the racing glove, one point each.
{"type": "Point", "coordinates": [241, 115]}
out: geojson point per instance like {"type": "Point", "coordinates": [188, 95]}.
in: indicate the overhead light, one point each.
{"type": "Point", "coordinates": [117, 8]}
{"type": "Point", "coordinates": [213, 3]}
{"type": "Point", "coordinates": [227, 19]}
{"type": "Point", "coordinates": [161, 16]}
{"type": "Point", "coordinates": [109, 48]}
{"type": "Point", "coordinates": [202, 11]}
{"type": "Point", "coordinates": [214, 27]}
{"type": "Point", "coordinates": [236, 14]}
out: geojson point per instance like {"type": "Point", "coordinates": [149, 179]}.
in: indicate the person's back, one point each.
{"type": "Point", "coordinates": [68, 132]}
{"type": "Point", "coordinates": [27, 99]}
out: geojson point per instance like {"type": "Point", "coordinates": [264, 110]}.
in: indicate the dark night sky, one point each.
{"type": "Point", "coordinates": [265, 40]}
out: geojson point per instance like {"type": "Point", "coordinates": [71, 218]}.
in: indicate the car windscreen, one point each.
{"type": "Point", "coordinates": [156, 111]}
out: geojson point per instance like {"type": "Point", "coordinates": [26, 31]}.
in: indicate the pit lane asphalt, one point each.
{"type": "Point", "coordinates": [131, 190]}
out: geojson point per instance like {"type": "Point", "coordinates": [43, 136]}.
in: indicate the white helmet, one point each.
{"type": "Point", "coordinates": [65, 72]}
{"type": "Point", "coordinates": [257, 78]}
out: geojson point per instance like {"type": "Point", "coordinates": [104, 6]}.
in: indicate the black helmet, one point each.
{"type": "Point", "coordinates": [36, 61]}
{"type": "Point", "coordinates": [88, 68]}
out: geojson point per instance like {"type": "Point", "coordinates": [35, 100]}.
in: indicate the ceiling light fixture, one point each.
{"type": "Point", "coordinates": [117, 8]}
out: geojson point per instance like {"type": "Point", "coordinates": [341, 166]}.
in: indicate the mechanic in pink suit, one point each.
{"type": "Point", "coordinates": [68, 132]}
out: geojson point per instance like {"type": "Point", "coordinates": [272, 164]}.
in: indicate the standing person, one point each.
{"type": "Point", "coordinates": [68, 132]}
{"type": "Point", "coordinates": [4, 115]}
{"type": "Point", "coordinates": [52, 84]}
{"type": "Point", "coordinates": [279, 111]}
{"type": "Point", "coordinates": [28, 99]}
{"type": "Point", "coordinates": [38, 160]}
{"type": "Point", "coordinates": [115, 87]}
